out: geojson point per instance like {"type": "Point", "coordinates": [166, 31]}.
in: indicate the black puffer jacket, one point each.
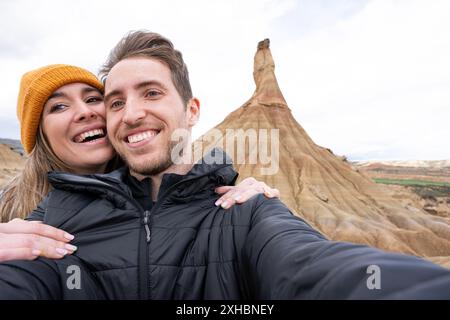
{"type": "Point", "coordinates": [186, 248]}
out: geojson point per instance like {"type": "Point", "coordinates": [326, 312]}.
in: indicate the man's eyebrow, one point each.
{"type": "Point", "coordinates": [138, 86]}
{"type": "Point", "coordinates": [149, 83]}
{"type": "Point", "coordinates": [112, 94]}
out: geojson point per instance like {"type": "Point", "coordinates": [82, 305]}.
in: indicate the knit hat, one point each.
{"type": "Point", "coordinates": [36, 87]}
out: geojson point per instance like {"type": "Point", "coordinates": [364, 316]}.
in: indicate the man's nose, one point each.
{"type": "Point", "coordinates": [133, 112]}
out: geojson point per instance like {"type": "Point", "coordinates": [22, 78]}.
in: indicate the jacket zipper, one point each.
{"type": "Point", "coordinates": [144, 265]}
{"type": "Point", "coordinates": [146, 225]}
{"type": "Point", "coordinates": [146, 220]}
{"type": "Point", "coordinates": [145, 277]}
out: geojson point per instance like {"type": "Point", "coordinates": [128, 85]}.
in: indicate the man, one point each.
{"type": "Point", "coordinates": [149, 231]}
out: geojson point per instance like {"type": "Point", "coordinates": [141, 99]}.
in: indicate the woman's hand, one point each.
{"type": "Point", "coordinates": [246, 189]}
{"type": "Point", "coordinates": [27, 240]}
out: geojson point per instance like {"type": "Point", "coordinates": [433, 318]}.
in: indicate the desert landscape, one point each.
{"type": "Point", "coordinates": [341, 199]}
{"type": "Point", "coordinates": [396, 206]}
{"type": "Point", "coordinates": [423, 184]}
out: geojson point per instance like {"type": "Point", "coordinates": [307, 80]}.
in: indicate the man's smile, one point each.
{"type": "Point", "coordinates": [141, 137]}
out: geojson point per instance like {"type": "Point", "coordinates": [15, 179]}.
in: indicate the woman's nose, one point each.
{"type": "Point", "coordinates": [85, 113]}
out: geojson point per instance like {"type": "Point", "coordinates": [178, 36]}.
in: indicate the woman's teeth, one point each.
{"type": "Point", "coordinates": [92, 133]}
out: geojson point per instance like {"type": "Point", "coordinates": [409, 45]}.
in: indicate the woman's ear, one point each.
{"type": "Point", "coordinates": [193, 111]}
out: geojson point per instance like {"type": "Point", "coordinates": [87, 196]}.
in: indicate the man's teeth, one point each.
{"type": "Point", "coordinates": [141, 136]}
{"type": "Point", "coordinates": [84, 135]}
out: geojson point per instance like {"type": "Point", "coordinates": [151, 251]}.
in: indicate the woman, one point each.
{"type": "Point", "coordinates": [62, 118]}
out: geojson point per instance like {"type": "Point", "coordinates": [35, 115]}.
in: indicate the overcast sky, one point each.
{"type": "Point", "coordinates": [367, 79]}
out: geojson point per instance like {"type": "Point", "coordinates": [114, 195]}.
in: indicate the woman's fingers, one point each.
{"type": "Point", "coordinates": [226, 200]}
{"type": "Point", "coordinates": [244, 191]}
{"type": "Point", "coordinates": [273, 193]}
{"type": "Point", "coordinates": [21, 226]}
{"type": "Point", "coordinates": [223, 189]}
{"type": "Point", "coordinates": [34, 245]}
{"type": "Point", "coordinates": [20, 239]}
{"type": "Point", "coordinates": [247, 182]}
{"type": "Point", "coordinates": [244, 196]}
{"type": "Point", "coordinates": [232, 192]}
{"type": "Point", "coordinates": [268, 191]}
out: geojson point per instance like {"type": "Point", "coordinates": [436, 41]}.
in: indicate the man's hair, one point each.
{"type": "Point", "coordinates": [151, 45]}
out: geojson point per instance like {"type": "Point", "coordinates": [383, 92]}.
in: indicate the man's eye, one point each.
{"type": "Point", "coordinates": [58, 107]}
{"type": "Point", "coordinates": [153, 93]}
{"type": "Point", "coordinates": [116, 104]}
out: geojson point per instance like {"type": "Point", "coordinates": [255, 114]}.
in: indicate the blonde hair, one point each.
{"type": "Point", "coordinates": [21, 195]}
{"type": "Point", "coordinates": [26, 190]}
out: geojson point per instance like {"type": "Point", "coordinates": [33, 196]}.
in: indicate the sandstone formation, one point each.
{"type": "Point", "coordinates": [321, 187]}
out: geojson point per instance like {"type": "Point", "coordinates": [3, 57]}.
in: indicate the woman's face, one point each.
{"type": "Point", "coordinates": [73, 122]}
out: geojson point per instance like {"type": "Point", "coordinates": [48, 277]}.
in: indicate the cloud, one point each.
{"type": "Point", "coordinates": [378, 77]}
{"type": "Point", "coordinates": [358, 75]}
{"type": "Point", "coordinates": [213, 36]}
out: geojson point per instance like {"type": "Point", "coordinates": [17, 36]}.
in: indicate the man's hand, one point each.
{"type": "Point", "coordinates": [246, 189]}
{"type": "Point", "coordinates": [27, 240]}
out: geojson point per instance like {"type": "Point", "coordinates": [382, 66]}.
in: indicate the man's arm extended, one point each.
{"type": "Point", "coordinates": [287, 259]}
{"type": "Point", "coordinates": [46, 279]}
{"type": "Point", "coordinates": [28, 280]}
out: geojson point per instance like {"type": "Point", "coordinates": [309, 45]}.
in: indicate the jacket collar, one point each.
{"type": "Point", "coordinates": [213, 170]}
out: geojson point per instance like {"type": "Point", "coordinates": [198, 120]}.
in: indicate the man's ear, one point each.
{"type": "Point", "coordinates": [193, 111]}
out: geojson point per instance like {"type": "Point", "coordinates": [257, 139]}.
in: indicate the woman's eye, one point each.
{"type": "Point", "coordinates": [58, 107]}
{"type": "Point", "coordinates": [94, 99]}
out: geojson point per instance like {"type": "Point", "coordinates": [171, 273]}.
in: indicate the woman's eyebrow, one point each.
{"type": "Point", "coordinates": [56, 95]}
{"type": "Point", "coordinates": [90, 89]}
{"type": "Point", "coordinates": [62, 94]}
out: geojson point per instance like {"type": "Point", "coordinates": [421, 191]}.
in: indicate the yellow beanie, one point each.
{"type": "Point", "coordinates": [36, 87]}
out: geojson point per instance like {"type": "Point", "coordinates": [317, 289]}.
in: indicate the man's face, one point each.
{"type": "Point", "coordinates": [143, 108]}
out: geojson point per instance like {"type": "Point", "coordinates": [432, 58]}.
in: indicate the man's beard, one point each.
{"type": "Point", "coordinates": [154, 166]}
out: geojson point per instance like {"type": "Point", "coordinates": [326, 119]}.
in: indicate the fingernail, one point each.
{"type": "Point", "coordinates": [268, 194]}
{"type": "Point", "coordinates": [224, 204]}
{"type": "Point", "coordinates": [68, 236]}
{"type": "Point", "coordinates": [62, 252]}
{"type": "Point", "coordinates": [218, 202]}
{"type": "Point", "coordinates": [238, 197]}
{"type": "Point", "coordinates": [71, 247]}
{"type": "Point", "coordinates": [36, 252]}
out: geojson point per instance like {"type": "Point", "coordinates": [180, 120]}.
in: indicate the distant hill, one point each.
{"type": "Point", "coordinates": [427, 170]}
{"type": "Point", "coordinates": [11, 162]}
{"type": "Point", "coordinates": [408, 163]}
{"type": "Point", "coordinates": [15, 145]}
{"type": "Point", "coordinates": [420, 183]}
